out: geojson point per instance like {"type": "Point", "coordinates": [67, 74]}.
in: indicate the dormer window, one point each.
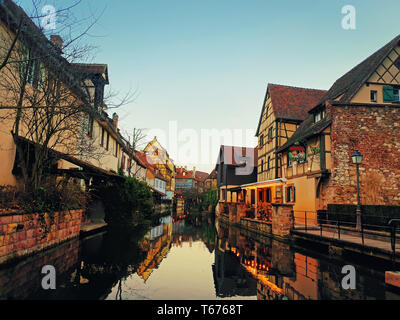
{"type": "Point", "coordinates": [318, 116]}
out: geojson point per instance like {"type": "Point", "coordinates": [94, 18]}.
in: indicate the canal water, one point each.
{"type": "Point", "coordinates": [193, 258]}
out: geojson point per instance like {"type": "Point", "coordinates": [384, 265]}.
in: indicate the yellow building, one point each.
{"type": "Point", "coordinates": [159, 157]}
{"type": "Point", "coordinates": [282, 112]}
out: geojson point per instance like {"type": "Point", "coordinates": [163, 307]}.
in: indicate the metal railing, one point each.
{"type": "Point", "coordinates": [343, 226]}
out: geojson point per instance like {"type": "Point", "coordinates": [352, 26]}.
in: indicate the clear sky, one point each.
{"type": "Point", "coordinates": [206, 64]}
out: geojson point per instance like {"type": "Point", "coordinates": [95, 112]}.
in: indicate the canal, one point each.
{"type": "Point", "coordinates": [193, 258]}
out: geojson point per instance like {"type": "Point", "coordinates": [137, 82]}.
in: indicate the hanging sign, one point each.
{"type": "Point", "coordinates": [297, 153]}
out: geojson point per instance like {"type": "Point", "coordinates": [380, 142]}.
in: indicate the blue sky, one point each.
{"type": "Point", "coordinates": [206, 64]}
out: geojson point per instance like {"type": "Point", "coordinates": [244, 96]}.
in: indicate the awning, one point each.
{"type": "Point", "coordinates": [266, 183]}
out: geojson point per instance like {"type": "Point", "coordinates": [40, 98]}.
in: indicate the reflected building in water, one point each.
{"type": "Point", "coordinates": [283, 273]}
{"type": "Point", "coordinates": [157, 244]}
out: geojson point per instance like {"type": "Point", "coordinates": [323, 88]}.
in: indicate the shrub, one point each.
{"type": "Point", "coordinates": [126, 201]}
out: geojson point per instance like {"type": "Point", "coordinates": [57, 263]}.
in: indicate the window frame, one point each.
{"type": "Point", "coordinates": [290, 194]}
{"type": "Point", "coordinates": [373, 95]}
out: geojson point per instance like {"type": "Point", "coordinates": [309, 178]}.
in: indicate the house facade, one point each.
{"type": "Point", "coordinates": [159, 157]}
{"type": "Point", "coordinates": [184, 180]}
{"type": "Point", "coordinates": [361, 111]}
{"type": "Point", "coordinates": [283, 110]}
{"type": "Point", "coordinates": [235, 166]}
{"type": "Point", "coordinates": [211, 181]}
{"type": "Point", "coordinates": [94, 147]}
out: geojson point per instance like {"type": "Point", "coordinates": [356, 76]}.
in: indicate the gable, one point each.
{"type": "Point", "coordinates": [388, 72]}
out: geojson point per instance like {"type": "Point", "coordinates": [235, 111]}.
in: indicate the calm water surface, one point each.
{"type": "Point", "coordinates": [195, 258]}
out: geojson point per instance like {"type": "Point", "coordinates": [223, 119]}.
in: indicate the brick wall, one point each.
{"type": "Point", "coordinates": [375, 132]}
{"type": "Point", "coordinates": [22, 234]}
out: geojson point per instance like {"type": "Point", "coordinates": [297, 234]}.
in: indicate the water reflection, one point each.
{"type": "Point", "coordinates": [286, 273]}
{"type": "Point", "coordinates": [188, 257]}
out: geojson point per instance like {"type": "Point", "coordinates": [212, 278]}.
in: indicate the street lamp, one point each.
{"type": "Point", "coordinates": [357, 158]}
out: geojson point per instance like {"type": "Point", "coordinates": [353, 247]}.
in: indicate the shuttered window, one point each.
{"type": "Point", "coordinates": [388, 94]}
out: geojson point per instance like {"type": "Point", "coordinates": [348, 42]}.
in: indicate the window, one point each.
{"type": "Point", "coordinates": [108, 141]}
{"type": "Point", "coordinates": [396, 95]}
{"type": "Point", "coordinates": [123, 162]}
{"type": "Point", "coordinates": [318, 116]}
{"type": "Point", "coordinates": [290, 194]}
{"type": "Point", "coordinates": [261, 140]}
{"type": "Point", "coordinates": [116, 149]}
{"type": "Point", "coordinates": [262, 166]}
{"type": "Point", "coordinates": [374, 95]}
{"type": "Point", "coordinates": [390, 94]}
{"type": "Point", "coordinates": [290, 159]}
{"type": "Point", "coordinates": [102, 137]}
{"type": "Point", "coordinates": [268, 195]}
{"type": "Point", "coordinates": [270, 133]}
{"type": "Point", "coordinates": [89, 128]}
{"type": "Point", "coordinates": [31, 69]}
{"type": "Point", "coordinates": [269, 163]}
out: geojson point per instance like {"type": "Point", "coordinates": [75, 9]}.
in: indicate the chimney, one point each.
{"type": "Point", "coordinates": [115, 121]}
{"type": "Point", "coordinates": [57, 41]}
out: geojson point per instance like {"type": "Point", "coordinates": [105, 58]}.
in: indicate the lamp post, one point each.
{"type": "Point", "coordinates": [357, 158]}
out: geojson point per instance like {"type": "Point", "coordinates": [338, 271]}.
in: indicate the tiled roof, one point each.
{"type": "Point", "coordinates": [92, 68]}
{"type": "Point", "coordinates": [142, 160]}
{"type": "Point", "coordinates": [306, 130]}
{"type": "Point", "coordinates": [212, 175]}
{"type": "Point", "coordinates": [291, 103]}
{"type": "Point", "coordinates": [200, 175]}
{"type": "Point", "coordinates": [180, 175]}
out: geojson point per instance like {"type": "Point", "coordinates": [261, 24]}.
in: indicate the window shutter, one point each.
{"type": "Point", "coordinates": [388, 94]}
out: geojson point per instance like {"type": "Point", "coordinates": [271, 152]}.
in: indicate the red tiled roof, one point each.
{"type": "Point", "coordinates": [142, 159]}
{"type": "Point", "coordinates": [203, 175]}
{"type": "Point", "coordinates": [291, 102]}
{"type": "Point", "coordinates": [180, 174]}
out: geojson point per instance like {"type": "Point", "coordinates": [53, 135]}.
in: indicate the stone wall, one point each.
{"type": "Point", "coordinates": [282, 220]}
{"type": "Point", "coordinates": [23, 234]}
{"type": "Point", "coordinates": [256, 226]}
{"type": "Point", "coordinates": [375, 132]}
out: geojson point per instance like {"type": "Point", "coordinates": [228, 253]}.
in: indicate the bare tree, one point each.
{"type": "Point", "coordinates": [42, 95]}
